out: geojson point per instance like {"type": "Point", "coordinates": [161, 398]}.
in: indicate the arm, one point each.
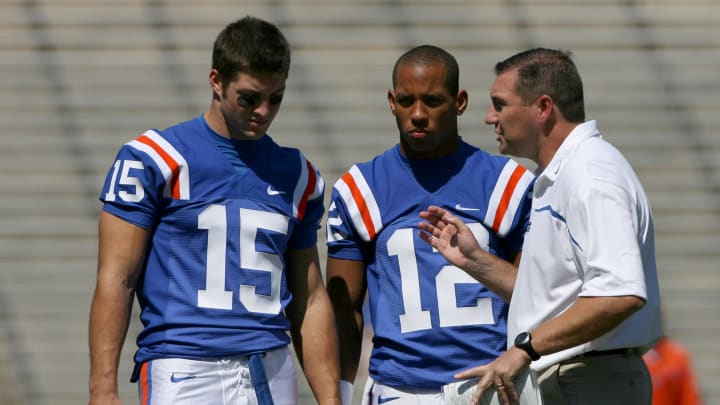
{"type": "Point", "coordinates": [121, 252]}
{"type": "Point", "coordinates": [313, 325]}
{"type": "Point", "coordinates": [587, 319]}
{"type": "Point", "coordinates": [347, 286]}
{"type": "Point", "coordinates": [454, 240]}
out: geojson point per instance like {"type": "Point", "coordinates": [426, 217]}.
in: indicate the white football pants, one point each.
{"type": "Point", "coordinates": [216, 381]}
{"type": "Point", "coordinates": [379, 394]}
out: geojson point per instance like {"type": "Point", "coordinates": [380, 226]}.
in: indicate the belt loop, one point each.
{"type": "Point", "coordinates": [135, 375]}
{"type": "Point", "coordinates": [260, 381]}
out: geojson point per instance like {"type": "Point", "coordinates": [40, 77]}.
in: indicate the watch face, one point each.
{"type": "Point", "coordinates": [523, 342]}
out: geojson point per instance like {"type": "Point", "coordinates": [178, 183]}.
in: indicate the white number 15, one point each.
{"type": "Point", "coordinates": [214, 220]}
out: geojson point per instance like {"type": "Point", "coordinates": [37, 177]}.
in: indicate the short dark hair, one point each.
{"type": "Point", "coordinates": [428, 55]}
{"type": "Point", "coordinates": [548, 71]}
{"type": "Point", "coordinates": [250, 45]}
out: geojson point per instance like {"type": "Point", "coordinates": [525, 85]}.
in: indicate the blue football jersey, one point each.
{"type": "Point", "coordinates": [214, 281]}
{"type": "Point", "coordinates": [430, 319]}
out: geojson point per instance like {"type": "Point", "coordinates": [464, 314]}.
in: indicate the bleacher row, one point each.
{"type": "Point", "coordinates": [78, 78]}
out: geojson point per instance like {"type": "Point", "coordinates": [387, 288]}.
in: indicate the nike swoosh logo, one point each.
{"type": "Point", "coordinates": [461, 208]}
{"type": "Point", "coordinates": [382, 400]}
{"type": "Point", "coordinates": [271, 191]}
{"type": "Point", "coordinates": [175, 379]}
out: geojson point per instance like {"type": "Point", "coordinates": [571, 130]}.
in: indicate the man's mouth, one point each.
{"type": "Point", "coordinates": [257, 123]}
{"type": "Point", "coordinates": [416, 133]}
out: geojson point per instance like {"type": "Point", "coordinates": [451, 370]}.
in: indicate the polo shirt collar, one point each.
{"type": "Point", "coordinates": [578, 135]}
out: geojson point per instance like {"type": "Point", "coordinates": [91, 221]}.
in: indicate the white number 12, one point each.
{"type": "Point", "coordinates": [402, 245]}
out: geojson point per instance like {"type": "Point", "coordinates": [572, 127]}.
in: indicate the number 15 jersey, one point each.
{"type": "Point", "coordinates": [430, 319]}
{"type": "Point", "coordinates": [214, 282]}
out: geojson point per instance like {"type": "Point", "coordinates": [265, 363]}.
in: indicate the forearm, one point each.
{"type": "Point", "coordinates": [456, 241]}
{"type": "Point", "coordinates": [586, 320]}
{"type": "Point", "coordinates": [346, 288]}
{"type": "Point", "coordinates": [317, 349]}
{"type": "Point", "coordinates": [121, 250]}
{"type": "Point", "coordinates": [496, 274]}
{"type": "Point", "coordinates": [109, 319]}
{"type": "Point", "coordinates": [312, 325]}
{"type": "Point", "coordinates": [350, 335]}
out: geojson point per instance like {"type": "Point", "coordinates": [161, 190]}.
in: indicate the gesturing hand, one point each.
{"type": "Point", "coordinates": [449, 235]}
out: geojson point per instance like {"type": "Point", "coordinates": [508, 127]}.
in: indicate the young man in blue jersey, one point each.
{"type": "Point", "coordinates": [214, 227]}
{"type": "Point", "coordinates": [428, 317]}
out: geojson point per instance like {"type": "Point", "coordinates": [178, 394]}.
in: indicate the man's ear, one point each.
{"type": "Point", "coordinates": [391, 101]}
{"type": "Point", "coordinates": [215, 83]}
{"type": "Point", "coordinates": [462, 102]}
{"type": "Point", "coordinates": [545, 107]}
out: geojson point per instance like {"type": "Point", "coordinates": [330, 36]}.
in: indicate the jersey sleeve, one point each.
{"type": "Point", "coordinates": [146, 171]}
{"type": "Point", "coordinates": [509, 207]}
{"type": "Point", "coordinates": [353, 217]}
{"type": "Point", "coordinates": [307, 205]}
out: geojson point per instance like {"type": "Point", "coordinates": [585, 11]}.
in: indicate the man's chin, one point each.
{"type": "Point", "coordinates": [503, 149]}
{"type": "Point", "coordinates": [248, 135]}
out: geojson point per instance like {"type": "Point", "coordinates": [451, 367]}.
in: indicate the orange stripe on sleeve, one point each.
{"type": "Point", "coordinates": [506, 196]}
{"type": "Point", "coordinates": [360, 202]}
{"type": "Point", "coordinates": [309, 188]}
{"type": "Point", "coordinates": [174, 167]}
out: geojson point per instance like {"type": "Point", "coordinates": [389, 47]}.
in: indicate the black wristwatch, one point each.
{"type": "Point", "coordinates": [524, 341]}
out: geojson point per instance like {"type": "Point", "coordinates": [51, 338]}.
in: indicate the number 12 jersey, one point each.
{"type": "Point", "coordinates": [430, 319]}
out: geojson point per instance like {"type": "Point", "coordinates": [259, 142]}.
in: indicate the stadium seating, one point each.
{"type": "Point", "coordinates": [79, 78]}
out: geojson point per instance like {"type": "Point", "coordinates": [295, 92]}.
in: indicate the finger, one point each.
{"type": "Point", "coordinates": [429, 228]}
{"type": "Point", "coordinates": [437, 211]}
{"type": "Point", "coordinates": [512, 393]}
{"type": "Point", "coordinates": [433, 213]}
{"type": "Point", "coordinates": [442, 214]}
{"type": "Point", "coordinates": [429, 239]}
{"type": "Point", "coordinates": [478, 371]}
{"type": "Point", "coordinates": [432, 240]}
{"type": "Point", "coordinates": [502, 392]}
{"type": "Point", "coordinates": [427, 215]}
{"type": "Point", "coordinates": [482, 386]}
{"type": "Point", "coordinates": [426, 227]}
{"type": "Point", "coordinates": [450, 230]}
{"type": "Point", "coordinates": [432, 220]}
{"type": "Point", "coordinates": [486, 382]}
{"type": "Point", "coordinates": [450, 219]}
{"type": "Point", "coordinates": [506, 391]}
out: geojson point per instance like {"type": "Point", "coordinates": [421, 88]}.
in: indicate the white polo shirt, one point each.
{"type": "Point", "coordinates": [590, 234]}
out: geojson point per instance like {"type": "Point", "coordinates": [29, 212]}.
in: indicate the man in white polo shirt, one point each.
{"type": "Point", "coordinates": [585, 304]}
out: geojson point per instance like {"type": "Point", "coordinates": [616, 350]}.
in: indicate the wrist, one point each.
{"type": "Point", "coordinates": [105, 389]}
{"type": "Point", "coordinates": [523, 341]}
{"type": "Point", "coordinates": [346, 392]}
{"type": "Point", "coordinates": [481, 261]}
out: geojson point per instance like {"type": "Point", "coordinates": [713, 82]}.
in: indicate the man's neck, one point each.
{"type": "Point", "coordinates": [552, 142]}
